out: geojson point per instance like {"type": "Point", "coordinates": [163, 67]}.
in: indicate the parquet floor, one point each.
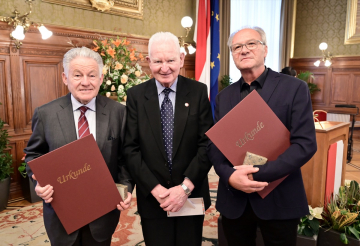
{"type": "Point", "coordinates": [353, 168]}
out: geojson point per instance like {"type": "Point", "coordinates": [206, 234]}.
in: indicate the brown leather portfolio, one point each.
{"type": "Point", "coordinates": [251, 126]}
{"type": "Point", "coordinates": [84, 189]}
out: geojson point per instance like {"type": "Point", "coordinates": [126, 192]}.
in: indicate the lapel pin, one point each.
{"type": "Point", "coordinates": [186, 105]}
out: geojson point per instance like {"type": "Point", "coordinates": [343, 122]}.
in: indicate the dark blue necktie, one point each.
{"type": "Point", "coordinates": [167, 124]}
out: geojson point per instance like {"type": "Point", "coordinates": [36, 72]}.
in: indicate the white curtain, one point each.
{"type": "Point", "coordinates": [262, 13]}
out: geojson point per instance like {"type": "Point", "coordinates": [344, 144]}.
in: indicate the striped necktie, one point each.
{"type": "Point", "coordinates": [83, 124]}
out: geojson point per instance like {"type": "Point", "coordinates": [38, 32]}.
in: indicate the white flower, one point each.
{"type": "Point", "coordinates": [108, 82]}
{"type": "Point", "coordinates": [108, 94]}
{"type": "Point", "coordinates": [121, 89]}
{"type": "Point", "coordinates": [315, 212]}
{"type": "Point", "coordinates": [138, 67]}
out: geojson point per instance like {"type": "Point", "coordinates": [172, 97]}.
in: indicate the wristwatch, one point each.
{"type": "Point", "coordinates": [186, 189]}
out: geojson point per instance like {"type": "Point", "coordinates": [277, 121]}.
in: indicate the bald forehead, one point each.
{"type": "Point", "coordinates": [245, 35]}
{"type": "Point", "coordinates": [160, 46]}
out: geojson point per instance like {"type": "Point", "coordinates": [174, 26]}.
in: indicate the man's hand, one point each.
{"type": "Point", "coordinates": [125, 204]}
{"type": "Point", "coordinates": [157, 191]}
{"type": "Point", "coordinates": [176, 198]}
{"type": "Point", "coordinates": [242, 179]}
{"type": "Point", "coordinates": [45, 192]}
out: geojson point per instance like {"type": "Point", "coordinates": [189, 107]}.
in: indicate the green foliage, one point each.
{"type": "Point", "coordinates": [5, 158]}
{"type": "Point", "coordinates": [225, 81]}
{"type": "Point", "coordinates": [309, 224]}
{"type": "Point", "coordinates": [22, 169]}
{"type": "Point", "coordinates": [308, 227]}
{"type": "Point", "coordinates": [308, 77]}
{"type": "Point", "coordinates": [343, 212]}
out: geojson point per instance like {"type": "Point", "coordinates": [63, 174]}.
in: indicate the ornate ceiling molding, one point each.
{"type": "Point", "coordinates": [128, 8]}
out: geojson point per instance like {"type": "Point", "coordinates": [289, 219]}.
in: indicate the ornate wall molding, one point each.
{"type": "Point", "coordinates": [352, 29]}
{"type": "Point", "coordinates": [4, 50]}
{"type": "Point", "coordinates": [128, 8]}
{"type": "Point", "coordinates": [39, 52]}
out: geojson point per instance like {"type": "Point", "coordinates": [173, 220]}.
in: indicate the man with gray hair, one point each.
{"type": "Point", "coordinates": [165, 146]}
{"type": "Point", "coordinates": [242, 208]}
{"type": "Point", "coordinates": [79, 113]}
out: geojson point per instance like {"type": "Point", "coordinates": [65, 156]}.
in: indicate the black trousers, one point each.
{"type": "Point", "coordinates": [173, 231]}
{"type": "Point", "coordinates": [242, 231]}
{"type": "Point", "coordinates": [85, 238]}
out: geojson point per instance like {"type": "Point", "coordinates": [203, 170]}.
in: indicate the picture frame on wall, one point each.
{"type": "Point", "coordinates": [352, 28]}
{"type": "Point", "coordinates": [128, 8]}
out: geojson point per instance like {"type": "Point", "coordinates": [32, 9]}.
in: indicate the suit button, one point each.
{"type": "Point", "coordinates": [168, 182]}
{"type": "Point", "coordinates": [165, 164]}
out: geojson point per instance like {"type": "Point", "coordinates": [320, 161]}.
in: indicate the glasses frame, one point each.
{"type": "Point", "coordinates": [242, 46]}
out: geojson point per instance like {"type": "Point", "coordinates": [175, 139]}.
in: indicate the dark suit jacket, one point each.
{"type": "Point", "coordinates": [144, 147]}
{"type": "Point", "coordinates": [290, 100]}
{"type": "Point", "coordinates": [53, 126]}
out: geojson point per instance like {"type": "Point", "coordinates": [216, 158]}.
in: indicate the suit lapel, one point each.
{"type": "Point", "coordinates": [153, 114]}
{"type": "Point", "coordinates": [102, 121]}
{"type": "Point", "coordinates": [66, 119]}
{"type": "Point", "coordinates": [271, 82]}
{"type": "Point", "coordinates": [181, 111]}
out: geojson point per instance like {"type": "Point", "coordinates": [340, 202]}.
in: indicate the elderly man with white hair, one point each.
{"type": "Point", "coordinates": [56, 124]}
{"type": "Point", "coordinates": [165, 145]}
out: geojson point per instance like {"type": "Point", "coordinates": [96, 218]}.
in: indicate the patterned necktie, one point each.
{"type": "Point", "coordinates": [167, 124]}
{"type": "Point", "coordinates": [83, 124]}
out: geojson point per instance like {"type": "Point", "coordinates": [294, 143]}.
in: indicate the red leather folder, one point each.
{"type": "Point", "coordinates": [251, 126]}
{"type": "Point", "coordinates": [84, 189]}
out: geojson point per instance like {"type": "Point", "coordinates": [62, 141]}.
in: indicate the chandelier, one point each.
{"type": "Point", "coordinates": [186, 23]}
{"type": "Point", "coordinates": [326, 57]}
{"type": "Point", "coordinates": [21, 24]}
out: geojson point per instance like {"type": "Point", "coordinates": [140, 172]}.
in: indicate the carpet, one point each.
{"type": "Point", "coordinates": [25, 226]}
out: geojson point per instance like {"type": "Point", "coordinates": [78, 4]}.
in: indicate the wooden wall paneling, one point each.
{"type": "Point", "coordinates": [341, 82]}
{"type": "Point", "coordinates": [6, 94]}
{"type": "Point", "coordinates": [355, 91]}
{"type": "Point", "coordinates": [42, 83]}
{"type": "Point", "coordinates": [18, 90]}
{"type": "Point", "coordinates": [319, 96]}
{"type": "Point", "coordinates": [188, 70]}
{"type": "Point", "coordinates": [340, 85]}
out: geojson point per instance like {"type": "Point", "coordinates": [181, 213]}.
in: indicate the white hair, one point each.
{"type": "Point", "coordinates": [81, 52]}
{"type": "Point", "coordinates": [162, 37]}
{"type": "Point", "coordinates": [256, 28]}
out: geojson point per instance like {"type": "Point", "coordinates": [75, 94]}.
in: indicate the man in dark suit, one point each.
{"type": "Point", "coordinates": [165, 145]}
{"type": "Point", "coordinates": [56, 124]}
{"type": "Point", "coordinates": [241, 207]}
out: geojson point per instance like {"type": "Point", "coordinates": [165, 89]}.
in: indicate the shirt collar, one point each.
{"type": "Point", "coordinates": [76, 104]}
{"type": "Point", "coordinates": [160, 88]}
{"type": "Point", "coordinates": [261, 79]}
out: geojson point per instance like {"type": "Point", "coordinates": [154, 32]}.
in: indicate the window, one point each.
{"type": "Point", "coordinates": [261, 13]}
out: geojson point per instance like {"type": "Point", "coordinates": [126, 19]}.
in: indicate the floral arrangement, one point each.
{"type": "Point", "coordinates": [309, 224]}
{"type": "Point", "coordinates": [121, 70]}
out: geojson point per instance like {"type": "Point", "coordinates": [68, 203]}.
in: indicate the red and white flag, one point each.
{"type": "Point", "coordinates": [202, 39]}
{"type": "Point", "coordinates": [334, 169]}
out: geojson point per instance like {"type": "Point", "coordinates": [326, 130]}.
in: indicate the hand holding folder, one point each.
{"type": "Point", "coordinates": [251, 126]}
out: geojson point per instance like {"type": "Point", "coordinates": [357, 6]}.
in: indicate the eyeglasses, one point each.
{"type": "Point", "coordinates": [250, 45]}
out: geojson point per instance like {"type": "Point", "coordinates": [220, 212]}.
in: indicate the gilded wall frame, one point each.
{"type": "Point", "coordinates": [128, 8]}
{"type": "Point", "coordinates": [352, 28]}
